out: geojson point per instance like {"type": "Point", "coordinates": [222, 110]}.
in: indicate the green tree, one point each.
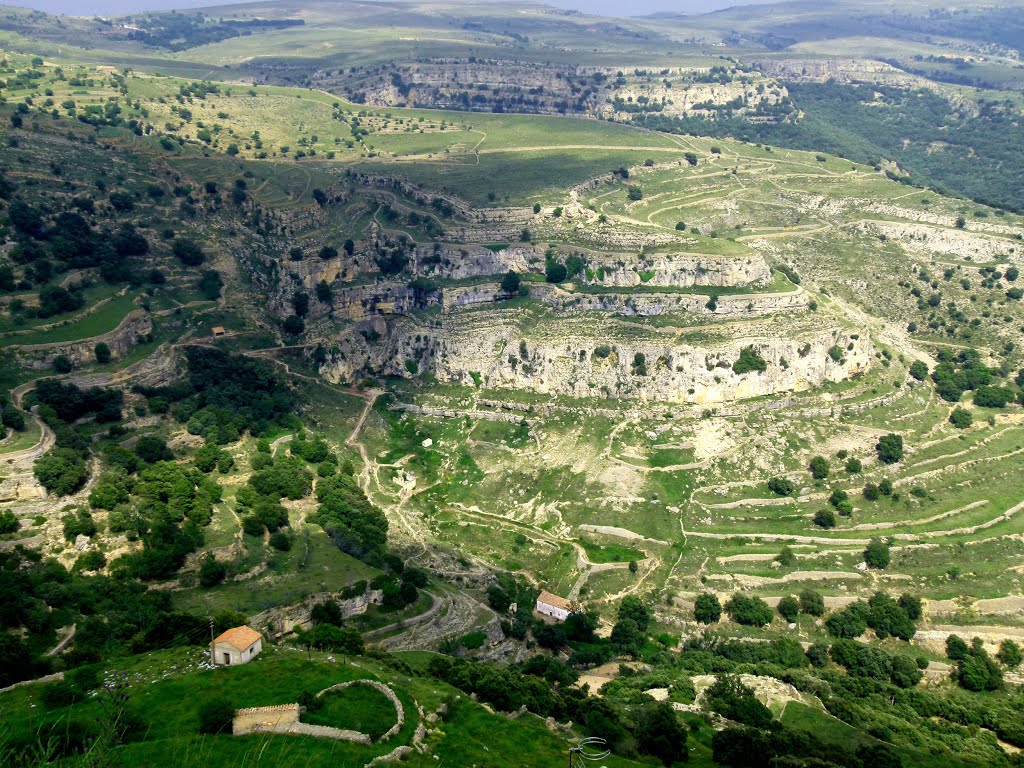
{"type": "Point", "coordinates": [211, 572]}
{"type": "Point", "coordinates": [210, 284]}
{"type": "Point", "coordinates": [890, 448]}
{"type": "Point", "coordinates": [707, 609]}
{"type": "Point", "coordinates": [327, 637]}
{"type": "Point", "coordinates": [877, 554]}
{"type": "Point", "coordinates": [354, 524]}
{"type": "Point", "coordinates": [749, 611]}
{"type": "Point", "coordinates": [326, 612]}
{"type": "Point", "coordinates": [188, 252]}
{"type": "Point", "coordinates": [749, 360]}
{"type": "Point", "coordinates": [555, 271]}
{"type": "Point", "coordinates": [1010, 654]}
{"type": "Point", "coordinates": [510, 282]}
{"type": "Point", "coordinates": [905, 672]}
{"type": "Point", "coordinates": [730, 698]}
{"type": "Point", "coordinates": [632, 607]}
{"type": "Point", "coordinates": [8, 521]}
{"type": "Point", "coordinates": [911, 605]}
{"type": "Point", "coordinates": [812, 603]}
{"type": "Point", "coordinates": [102, 352]}
{"type": "Point", "coordinates": [789, 608]}
{"type": "Point", "coordinates": [961, 418]}
{"type": "Point", "coordinates": [61, 471]}
{"type": "Point", "coordinates": [956, 648]}
{"type": "Point", "coordinates": [975, 673]}
{"type": "Point", "coordinates": [627, 637]}
{"type": "Point", "coordinates": [887, 617]}
{"type": "Point", "coordinates": [90, 560]}
{"type": "Point", "coordinates": [851, 622]}
{"type": "Point", "coordinates": [819, 467]}
{"type": "Point", "coordinates": [825, 518]}
{"type": "Point", "coordinates": [660, 734]}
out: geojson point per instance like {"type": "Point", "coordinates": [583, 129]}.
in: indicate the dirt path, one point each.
{"type": "Point", "coordinates": [353, 439]}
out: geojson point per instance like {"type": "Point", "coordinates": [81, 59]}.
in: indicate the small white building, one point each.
{"type": "Point", "coordinates": [552, 605]}
{"type": "Point", "coordinates": [238, 645]}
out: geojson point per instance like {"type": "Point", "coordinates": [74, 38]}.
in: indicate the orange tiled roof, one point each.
{"type": "Point", "coordinates": [554, 600]}
{"type": "Point", "coordinates": [239, 637]}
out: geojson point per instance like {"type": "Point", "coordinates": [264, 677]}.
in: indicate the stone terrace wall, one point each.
{"type": "Point", "coordinates": [390, 694]}
{"type": "Point", "coordinates": [264, 718]}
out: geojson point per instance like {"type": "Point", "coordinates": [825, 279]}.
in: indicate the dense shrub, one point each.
{"type": "Point", "coordinates": [750, 611]}
{"type": "Point", "coordinates": [707, 609]}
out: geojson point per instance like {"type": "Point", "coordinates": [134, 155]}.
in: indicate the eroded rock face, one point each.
{"type": "Point", "coordinates": [681, 100]}
{"type": "Point", "coordinates": [499, 354]}
{"type": "Point", "coordinates": [515, 86]}
{"type": "Point", "coordinates": [925, 240]}
{"type": "Point", "coordinates": [135, 326]}
{"type": "Point", "coordinates": [679, 270]}
{"type": "Point", "coordinates": [841, 70]}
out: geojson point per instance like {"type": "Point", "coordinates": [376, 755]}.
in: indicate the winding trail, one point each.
{"type": "Point", "coordinates": [353, 439]}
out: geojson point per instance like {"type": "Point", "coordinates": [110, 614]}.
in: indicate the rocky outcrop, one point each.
{"type": "Point", "coordinates": [505, 85]}
{"type": "Point", "coordinates": [136, 325]}
{"type": "Point", "coordinates": [677, 270]}
{"type": "Point", "coordinates": [631, 304]}
{"type": "Point", "coordinates": [579, 362]}
{"type": "Point", "coordinates": [925, 240]}
{"type": "Point", "coordinates": [282, 620]}
{"type": "Point", "coordinates": [468, 261]}
{"type": "Point", "coordinates": [683, 99]}
{"type": "Point", "coordinates": [841, 70]}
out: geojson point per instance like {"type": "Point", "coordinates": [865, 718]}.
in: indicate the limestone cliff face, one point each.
{"type": "Point", "coordinates": [518, 86]}
{"type": "Point", "coordinates": [468, 261]}
{"type": "Point", "coordinates": [631, 304]}
{"type": "Point", "coordinates": [580, 365]}
{"type": "Point", "coordinates": [842, 70]}
{"type": "Point", "coordinates": [135, 325]}
{"type": "Point", "coordinates": [397, 298]}
{"type": "Point", "coordinates": [389, 297]}
{"type": "Point", "coordinates": [681, 100]}
{"type": "Point", "coordinates": [438, 261]}
{"type": "Point", "coordinates": [678, 270]}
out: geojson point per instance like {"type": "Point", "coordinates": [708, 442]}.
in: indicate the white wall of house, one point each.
{"type": "Point", "coordinates": [228, 655]}
{"type": "Point", "coordinates": [550, 610]}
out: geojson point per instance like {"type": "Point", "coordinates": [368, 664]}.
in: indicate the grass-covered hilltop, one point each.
{"type": "Point", "coordinates": [515, 376]}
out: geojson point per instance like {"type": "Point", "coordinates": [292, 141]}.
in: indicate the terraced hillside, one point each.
{"type": "Point", "coordinates": [292, 348]}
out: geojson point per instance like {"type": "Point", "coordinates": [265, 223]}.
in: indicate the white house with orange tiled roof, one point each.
{"type": "Point", "coordinates": [238, 645]}
{"type": "Point", "coordinates": [552, 605]}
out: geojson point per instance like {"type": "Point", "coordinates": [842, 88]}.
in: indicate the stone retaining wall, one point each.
{"type": "Point", "coordinates": [264, 718]}
{"type": "Point", "coordinates": [37, 681]}
{"type": "Point", "coordinates": [284, 718]}
{"type": "Point", "coordinates": [392, 697]}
